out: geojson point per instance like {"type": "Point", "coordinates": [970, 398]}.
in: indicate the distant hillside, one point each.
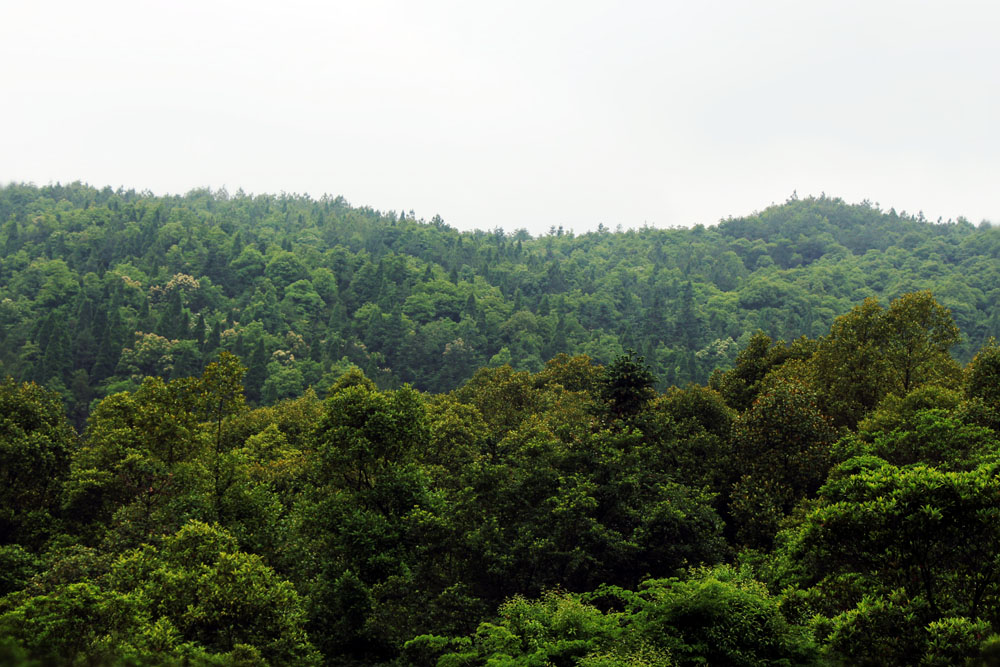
{"type": "Point", "coordinates": [100, 287]}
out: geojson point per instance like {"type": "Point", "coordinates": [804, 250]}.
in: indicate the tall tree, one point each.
{"type": "Point", "coordinates": [872, 352]}
{"type": "Point", "coordinates": [626, 386]}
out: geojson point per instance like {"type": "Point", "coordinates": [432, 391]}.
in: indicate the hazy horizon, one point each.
{"type": "Point", "coordinates": [523, 115]}
{"type": "Point", "coordinates": [412, 214]}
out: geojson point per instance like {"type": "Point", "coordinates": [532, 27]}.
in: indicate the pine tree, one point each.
{"type": "Point", "coordinates": [213, 342]}
{"type": "Point", "coordinates": [169, 325]}
{"type": "Point", "coordinates": [256, 371]}
{"type": "Point", "coordinates": [199, 332]}
{"type": "Point", "coordinates": [56, 356]}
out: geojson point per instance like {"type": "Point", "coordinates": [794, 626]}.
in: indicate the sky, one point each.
{"type": "Point", "coordinates": [513, 114]}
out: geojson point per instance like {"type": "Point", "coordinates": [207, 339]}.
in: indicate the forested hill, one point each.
{"type": "Point", "coordinates": [99, 288]}
{"type": "Point", "coordinates": [829, 500]}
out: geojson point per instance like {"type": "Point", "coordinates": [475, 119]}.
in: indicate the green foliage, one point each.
{"type": "Point", "coordinates": [193, 523]}
{"type": "Point", "coordinates": [503, 397]}
{"type": "Point", "coordinates": [216, 596]}
{"type": "Point", "coordinates": [716, 616]}
{"type": "Point", "coordinates": [922, 333]}
{"type": "Point", "coordinates": [700, 405]}
{"type": "Point", "coordinates": [720, 616]}
{"type": "Point", "coordinates": [75, 622]}
{"type": "Point", "coordinates": [626, 386]}
{"type": "Point", "coordinates": [982, 376]}
{"type": "Point", "coordinates": [85, 270]}
{"type": "Point", "coordinates": [879, 631]}
{"type": "Point", "coordinates": [140, 454]}
{"type": "Point", "coordinates": [36, 443]}
{"type": "Point", "coordinates": [895, 412]}
{"type": "Point", "coordinates": [17, 566]}
{"type": "Point", "coordinates": [194, 600]}
{"type": "Point", "coordinates": [935, 437]}
{"type": "Point", "coordinates": [782, 454]}
{"type": "Point", "coordinates": [872, 352]}
{"type": "Point", "coordinates": [741, 384]}
{"type": "Point", "coordinates": [923, 536]}
{"type": "Point", "coordinates": [572, 373]}
{"type": "Point", "coordinates": [555, 629]}
{"type": "Point", "coordinates": [366, 431]}
{"type": "Point", "coordinates": [953, 641]}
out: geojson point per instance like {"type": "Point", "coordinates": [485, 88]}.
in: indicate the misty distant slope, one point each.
{"type": "Point", "coordinates": [858, 227]}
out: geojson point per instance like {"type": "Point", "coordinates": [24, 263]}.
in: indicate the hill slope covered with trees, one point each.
{"type": "Point", "coordinates": [99, 288]}
{"type": "Point", "coordinates": [272, 430]}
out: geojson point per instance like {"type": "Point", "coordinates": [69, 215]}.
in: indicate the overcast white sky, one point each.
{"type": "Point", "coordinates": [513, 114]}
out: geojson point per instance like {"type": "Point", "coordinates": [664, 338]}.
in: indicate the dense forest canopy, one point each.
{"type": "Point", "coordinates": [273, 430]}
{"type": "Point", "coordinates": [99, 288]}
